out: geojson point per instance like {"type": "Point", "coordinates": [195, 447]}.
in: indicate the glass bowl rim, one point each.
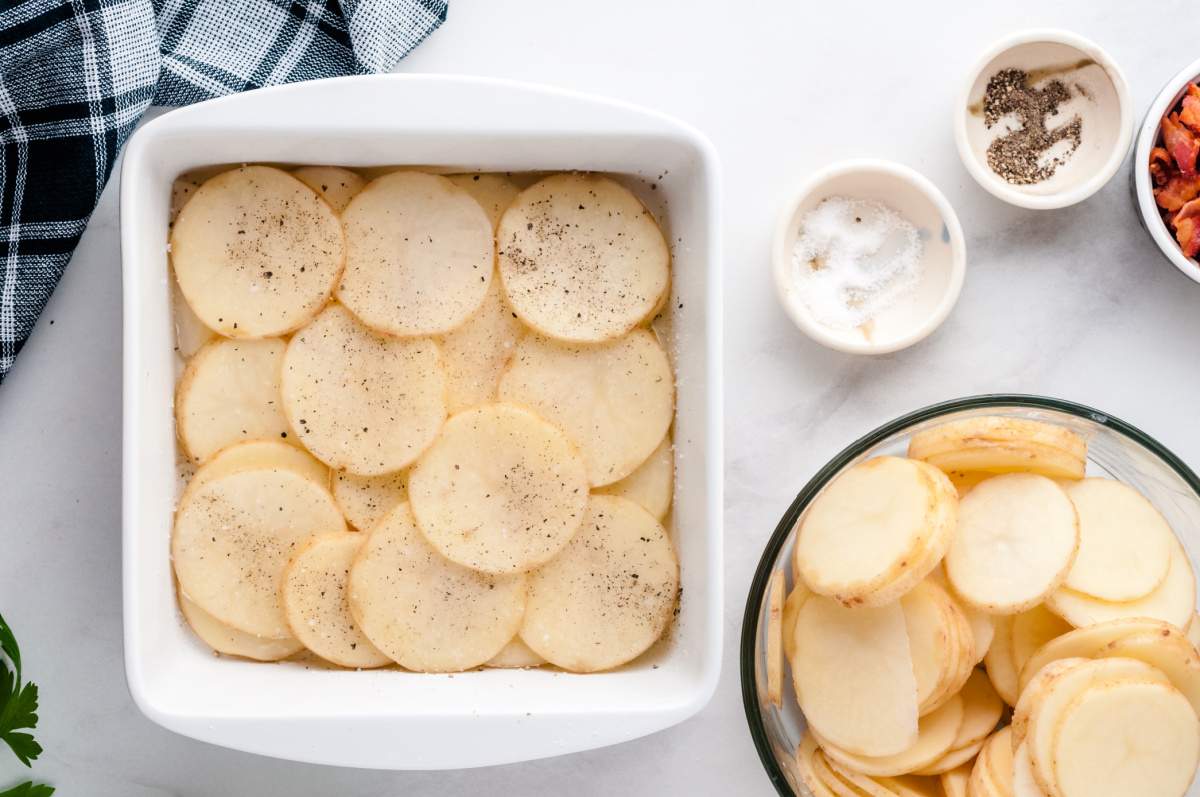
{"type": "Point", "coordinates": [758, 584]}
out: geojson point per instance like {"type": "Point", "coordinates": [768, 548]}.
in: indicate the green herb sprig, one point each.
{"type": "Point", "coordinates": [18, 713]}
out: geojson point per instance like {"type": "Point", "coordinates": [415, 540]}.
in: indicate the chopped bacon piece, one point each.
{"type": "Point", "coordinates": [1180, 142]}
{"type": "Point", "coordinates": [1178, 191]}
{"type": "Point", "coordinates": [1160, 166]}
{"type": "Point", "coordinates": [1190, 115]}
{"type": "Point", "coordinates": [1187, 228]}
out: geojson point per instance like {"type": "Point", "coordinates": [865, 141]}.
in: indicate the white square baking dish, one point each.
{"type": "Point", "coordinates": [389, 719]}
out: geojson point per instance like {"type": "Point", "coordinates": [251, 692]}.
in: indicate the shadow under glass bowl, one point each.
{"type": "Point", "coordinates": [1115, 449]}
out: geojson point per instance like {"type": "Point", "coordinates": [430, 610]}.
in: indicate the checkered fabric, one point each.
{"type": "Point", "coordinates": [76, 75]}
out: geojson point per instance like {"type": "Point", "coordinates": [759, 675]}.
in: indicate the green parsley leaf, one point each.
{"type": "Point", "coordinates": [18, 704]}
{"type": "Point", "coordinates": [28, 789]}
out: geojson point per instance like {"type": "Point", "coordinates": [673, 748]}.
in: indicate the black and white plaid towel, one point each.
{"type": "Point", "coordinates": [76, 75]}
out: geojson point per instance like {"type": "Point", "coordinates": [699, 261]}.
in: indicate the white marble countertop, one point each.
{"type": "Point", "coordinates": [1074, 303]}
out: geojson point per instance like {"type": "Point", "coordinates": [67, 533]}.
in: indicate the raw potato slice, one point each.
{"type": "Point", "coordinates": [860, 784]}
{"type": "Point", "coordinates": [582, 260]}
{"type": "Point", "coordinates": [1124, 542]}
{"type": "Point", "coordinates": [955, 781]}
{"type": "Point", "coordinates": [190, 332]}
{"type": "Point", "coordinates": [1124, 739]}
{"type": "Point", "coordinates": [937, 732]}
{"type": "Point", "coordinates": [1047, 712]}
{"type": "Point", "coordinates": [1174, 600]}
{"type": "Point", "coordinates": [425, 612]}
{"type": "Point", "coordinates": [1016, 539]}
{"type": "Point", "coordinates": [1168, 651]}
{"type": "Point", "coordinates": [992, 774]}
{"type": "Point", "coordinates": [912, 786]}
{"type": "Point", "coordinates": [854, 677]}
{"type": "Point", "coordinates": [1032, 693]}
{"type": "Point", "coordinates": [652, 484]}
{"type": "Point", "coordinates": [609, 595]}
{"type": "Point", "coordinates": [476, 353]}
{"type": "Point", "coordinates": [1024, 784]}
{"type": "Point", "coordinates": [1033, 629]}
{"type": "Point", "coordinates": [953, 759]}
{"type": "Point", "coordinates": [515, 655]}
{"type": "Point", "coordinates": [317, 608]}
{"type": "Point", "coordinates": [229, 393]}
{"type": "Point", "coordinates": [616, 401]}
{"type": "Point", "coordinates": [965, 481]}
{"type": "Point", "coordinates": [493, 192]}
{"type": "Point", "coordinates": [775, 638]}
{"type": "Point", "coordinates": [342, 394]}
{"type": "Point", "coordinates": [364, 500]}
{"type": "Point", "coordinates": [234, 535]}
{"type": "Point", "coordinates": [982, 625]}
{"type": "Point", "coordinates": [260, 455]}
{"type": "Point", "coordinates": [419, 254]}
{"type": "Point", "coordinates": [500, 490]}
{"type": "Point", "coordinates": [791, 610]}
{"type": "Point", "coordinates": [1088, 643]}
{"type": "Point", "coordinates": [1002, 445]}
{"type": "Point", "coordinates": [830, 779]}
{"type": "Point", "coordinates": [228, 640]}
{"type": "Point", "coordinates": [1193, 631]}
{"type": "Point", "coordinates": [928, 620]}
{"type": "Point", "coordinates": [806, 766]}
{"type": "Point", "coordinates": [870, 526]}
{"type": "Point", "coordinates": [1001, 668]}
{"type": "Point", "coordinates": [256, 252]}
{"type": "Point", "coordinates": [336, 185]}
{"type": "Point", "coordinates": [982, 708]}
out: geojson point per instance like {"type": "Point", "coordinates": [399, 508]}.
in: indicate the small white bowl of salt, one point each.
{"type": "Point", "coordinates": [868, 257]}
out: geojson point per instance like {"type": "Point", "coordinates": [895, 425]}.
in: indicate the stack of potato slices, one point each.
{"type": "Point", "coordinates": [428, 419]}
{"type": "Point", "coordinates": [988, 544]}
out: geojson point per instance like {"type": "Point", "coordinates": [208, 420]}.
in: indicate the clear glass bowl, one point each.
{"type": "Point", "coordinates": [1115, 449]}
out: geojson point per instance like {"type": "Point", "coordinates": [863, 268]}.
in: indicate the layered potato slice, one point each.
{"type": "Point", "coordinates": [364, 500]}
{"type": "Point", "coordinates": [936, 733]}
{"type": "Point", "coordinates": [229, 393]}
{"type": "Point", "coordinates": [477, 352]}
{"type": "Point", "coordinates": [359, 401]}
{"type": "Point", "coordinates": [876, 531]}
{"type": "Point", "coordinates": [260, 455]}
{"type": "Point", "coordinates": [235, 534]}
{"type": "Point", "coordinates": [982, 709]}
{"type": "Point", "coordinates": [336, 185]}
{"type": "Point", "coordinates": [582, 260]}
{"type": "Point", "coordinates": [608, 595]}
{"type": "Point", "coordinates": [493, 192]}
{"type": "Point", "coordinates": [425, 612]}
{"type": "Point", "coordinates": [500, 490]}
{"type": "Point", "coordinates": [652, 485]}
{"type": "Point", "coordinates": [992, 774]}
{"type": "Point", "coordinates": [419, 254]}
{"type": "Point", "coordinates": [615, 400]}
{"type": "Point", "coordinates": [226, 639]}
{"type": "Point", "coordinates": [190, 332]}
{"type": "Point", "coordinates": [1089, 643]}
{"type": "Point", "coordinates": [1002, 445]}
{"type": "Point", "coordinates": [775, 658]}
{"type": "Point", "coordinates": [515, 655]}
{"type": "Point", "coordinates": [256, 252]}
{"type": "Point", "coordinates": [316, 604]}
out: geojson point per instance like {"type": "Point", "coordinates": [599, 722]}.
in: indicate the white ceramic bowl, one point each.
{"type": "Point", "coordinates": [1142, 187]}
{"type": "Point", "coordinates": [391, 719]}
{"type": "Point", "coordinates": [1105, 108]}
{"type": "Point", "coordinates": [943, 260]}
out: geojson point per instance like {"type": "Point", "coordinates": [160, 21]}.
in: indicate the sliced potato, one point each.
{"type": "Point", "coordinates": [954, 782]}
{"type": "Point", "coordinates": [424, 611]}
{"type": "Point", "coordinates": [860, 784]}
{"type": "Point", "coordinates": [609, 595]}
{"type": "Point", "coordinates": [341, 393]}
{"type": "Point", "coordinates": [256, 252]}
{"type": "Point", "coordinates": [1024, 784]}
{"type": "Point", "coordinates": [652, 485]}
{"type": "Point", "coordinates": [1193, 631]}
{"type": "Point", "coordinates": [982, 625]}
{"type": "Point", "coordinates": [1033, 692]}
{"type": "Point", "coordinates": [1088, 643]}
{"type": "Point", "coordinates": [1016, 539]}
{"type": "Point", "coordinates": [228, 640]}
{"type": "Point", "coordinates": [929, 621]}
{"type": "Point", "coordinates": [316, 604]}
{"type": "Point", "coordinates": [992, 773]}
{"type": "Point", "coordinates": [493, 192]}
{"type": "Point", "coordinates": [912, 786]}
{"type": "Point", "coordinates": [259, 455]}
{"type": "Point", "coordinates": [477, 352]}
{"type": "Point", "coordinates": [982, 709]}
{"type": "Point", "coordinates": [190, 332]}
{"type": "Point", "coordinates": [1170, 652]}
{"type": "Point", "coordinates": [515, 655]}
{"type": "Point", "coordinates": [336, 185]}
{"type": "Point", "coordinates": [775, 638]}
{"type": "Point", "coordinates": [1002, 445]}
{"type": "Point", "coordinates": [364, 500]}
{"type": "Point", "coordinates": [615, 401]}
{"type": "Point", "coordinates": [936, 734]}
{"type": "Point", "coordinates": [229, 393]}
{"type": "Point", "coordinates": [582, 260]}
{"type": "Point", "coordinates": [999, 662]}
{"type": "Point", "coordinates": [1124, 542]}
{"type": "Point", "coordinates": [791, 610]}
{"type": "Point", "coordinates": [807, 767]}
{"type": "Point", "coordinates": [1033, 629]}
{"type": "Point", "coordinates": [500, 490]}
{"type": "Point", "coordinates": [953, 759]}
{"type": "Point", "coordinates": [234, 535]}
{"type": "Point", "coordinates": [830, 779]}
{"type": "Point", "coordinates": [1042, 733]}
{"type": "Point", "coordinates": [419, 255]}
{"type": "Point", "coordinates": [965, 481]}
{"type": "Point", "coordinates": [870, 526]}
{"type": "Point", "coordinates": [1174, 600]}
{"type": "Point", "coordinates": [1123, 739]}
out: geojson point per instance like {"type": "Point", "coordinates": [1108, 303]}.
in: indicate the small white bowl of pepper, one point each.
{"type": "Point", "coordinates": [1045, 119]}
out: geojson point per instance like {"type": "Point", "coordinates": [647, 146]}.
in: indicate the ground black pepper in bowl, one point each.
{"type": "Point", "coordinates": [1022, 156]}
